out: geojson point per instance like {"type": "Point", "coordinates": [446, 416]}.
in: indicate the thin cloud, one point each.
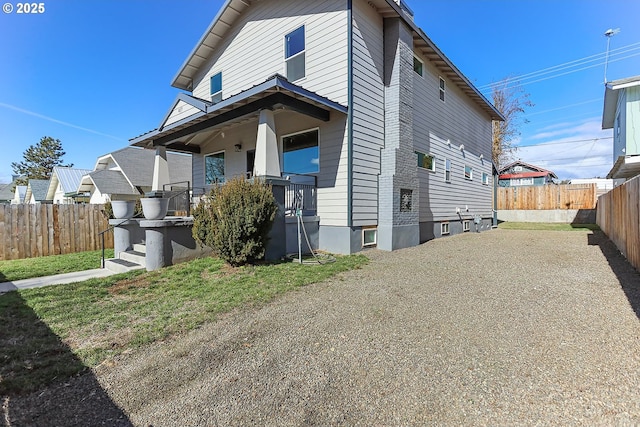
{"type": "Point", "coordinates": [51, 119]}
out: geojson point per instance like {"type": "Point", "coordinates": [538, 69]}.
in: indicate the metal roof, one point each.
{"type": "Point", "coordinates": [68, 178]}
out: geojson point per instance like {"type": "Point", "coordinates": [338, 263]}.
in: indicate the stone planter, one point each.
{"type": "Point", "coordinates": [123, 208]}
{"type": "Point", "coordinates": [154, 207]}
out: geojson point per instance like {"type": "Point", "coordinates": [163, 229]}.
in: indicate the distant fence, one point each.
{"type": "Point", "coordinates": [619, 217]}
{"type": "Point", "coordinates": [28, 231]}
{"type": "Point", "coordinates": [547, 197]}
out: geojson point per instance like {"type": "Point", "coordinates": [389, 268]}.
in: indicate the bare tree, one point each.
{"type": "Point", "coordinates": [511, 100]}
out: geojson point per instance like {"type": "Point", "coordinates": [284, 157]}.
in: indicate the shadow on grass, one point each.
{"type": "Point", "coordinates": [41, 381]}
{"type": "Point", "coordinates": [628, 276]}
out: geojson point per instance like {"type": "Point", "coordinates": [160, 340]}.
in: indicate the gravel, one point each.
{"type": "Point", "coordinates": [499, 328]}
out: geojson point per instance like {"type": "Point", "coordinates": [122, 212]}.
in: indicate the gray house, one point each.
{"type": "Point", "coordinates": [126, 174]}
{"type": "Point", "coordinates": [375, 129]}
{"type": "Point", "coordinates": [63, 185]}
{"type": "Point", "coordinates": [36, 191]}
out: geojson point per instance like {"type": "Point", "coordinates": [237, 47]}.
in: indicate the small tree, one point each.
{"type": "Point", "coordinates": [235, 220]}
{"type": "Point", "coordinates": [511, 100]}
{"type": "Point", "coordinates": [39, 160]}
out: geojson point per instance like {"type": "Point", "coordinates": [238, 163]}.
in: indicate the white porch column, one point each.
{"type": "Point", "coordinates": [267, 160]}
{"type": "Point", "coordinates": [160, 169]}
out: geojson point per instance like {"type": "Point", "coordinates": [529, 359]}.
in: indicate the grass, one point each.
{"type": "Point", "coordinates": [49, 265]}
{"type": "Point", "coordinates": [54, 332]}
{"type": "Point", "coordinates": [547, 226]}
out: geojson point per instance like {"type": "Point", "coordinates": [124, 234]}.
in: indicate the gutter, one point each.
{"type": "Point", "coordinates": [350, 114]}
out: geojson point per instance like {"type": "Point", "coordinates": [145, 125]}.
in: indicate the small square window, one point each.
{"type": "Point", "coordinates": [447, 170]}
{"type": "Point", "coordinates": [443, 87]}
{"type": "Point", "coordinates": [216, 87]}
{"type": "Point", "coordinates": [426, 161]}
{"type": "Point", "coordinates": [444, 228]}
{"type": "Point", "coordinates": [466, 226]}
{"type": "Point", "coordinates": [468, 172]}
{"type": "Point", "coordinates": [369, 237]}
{"type": "Point", "coordinates": [485, 178]}
{"type": "Point", "coordinates": [418, 66]}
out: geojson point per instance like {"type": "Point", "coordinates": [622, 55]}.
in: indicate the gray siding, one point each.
{"type": "Point", "coordinates": [368, 111]}
{"type": "Point", "coordinates": [439, 129]}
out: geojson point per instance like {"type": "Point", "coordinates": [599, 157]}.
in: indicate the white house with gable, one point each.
{"type": "Point", "coordinates": [380, 135]}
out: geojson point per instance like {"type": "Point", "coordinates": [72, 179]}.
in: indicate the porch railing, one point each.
{"type": "Point", "coordinates": [302, 193]}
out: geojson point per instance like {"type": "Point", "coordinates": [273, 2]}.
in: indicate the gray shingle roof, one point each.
{"type": "Point", "coordinates": [6, 192]}
{"type": "Point", "coordinates": [111, 182]}
{"type": "Point", "coordinates": [38, 189]}
{"type": "Point", "coordinates": [137, 165]}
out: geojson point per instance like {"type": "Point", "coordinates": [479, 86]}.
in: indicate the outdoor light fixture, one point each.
{"type": "Point", "coordinates": [238, 147]}
{"type": "Point", "coordinates": [461, 147]}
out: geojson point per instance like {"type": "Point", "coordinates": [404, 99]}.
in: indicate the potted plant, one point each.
{"type": "Point", "coordinates": [154, 205]}
{"type": "Point", "coordinates": [123, 208]}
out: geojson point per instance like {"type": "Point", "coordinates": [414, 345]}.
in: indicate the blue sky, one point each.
{"type": "Point", "coordinates": [96, 73]}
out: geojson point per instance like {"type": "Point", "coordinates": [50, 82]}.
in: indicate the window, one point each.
{"type": "Point", "coordinates": [369, 237]}
{"type": "Point", "coordinates": [444, 228]}
{"type": "Point", "coordinates": [447, 170]}
{"type": "Point", "coordinates": [426, 161]}
{"type": "Point", "coordinates": [485, 178]}
{"type": "Point", "coordinates": [466, 226]}
{"type": "Point", "coordinates": [294, 54]}
{"type": "Point", "coordinates": [468, 172]}
{"type": "Point", "coordinates": [442, 89]}
{"type": "Point", "coordinates": [516, 182]}
{"type": "Point", "coordinates": [214, 168]}
{"type": "Point", "coordinates": [300, 152]}
{"type": "Point", "coordinates": [216, 87]}
{"type": "Point", "coordinates": [417, 65]}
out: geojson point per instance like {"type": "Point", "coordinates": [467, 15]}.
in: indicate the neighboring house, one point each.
{"type": "Point", "coordinates": [7, 192]}
{"type": "Point", "coordinates": [351, 98]}
{"type": "Point", "coordinates": [18, 195]}
{"type": "Point", "coordinates": [519, 173]}
{"type": "Point", "coordinates": [64, 183]}
{"type": "Point", "coordinates": [126, 174]}
{"type": "Point", "coordinates": [36, 191]}
{"type": "Point", "coordinates": [602, 185]}
{"type": "Point", "coordinates": [621, 113]}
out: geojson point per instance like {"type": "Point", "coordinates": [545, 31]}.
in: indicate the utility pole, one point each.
{"type": "Point", "coordinates": [608, 34]}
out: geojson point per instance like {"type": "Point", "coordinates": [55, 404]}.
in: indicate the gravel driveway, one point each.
{"type": "Point", "coordinates": [498, 328]}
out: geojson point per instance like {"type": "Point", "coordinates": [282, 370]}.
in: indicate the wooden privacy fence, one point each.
{"type": "Point", "coordinates": [618, 216]}
{"type": "Point", "coordinates": [545, 197]}
{"type": "Point", "coordinates": [28, 231]}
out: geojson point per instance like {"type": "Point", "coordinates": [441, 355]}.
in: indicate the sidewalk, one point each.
{"type": "Point", "coordinates": [37, 282]}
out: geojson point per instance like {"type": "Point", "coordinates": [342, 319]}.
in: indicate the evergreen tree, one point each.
{"type": "Point", "coordinates": [39, 160]}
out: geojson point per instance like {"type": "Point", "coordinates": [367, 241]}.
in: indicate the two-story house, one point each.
{"type": "Point", "coordinates": [621, 113]}
{"type": "Point", "coordinates": [348, 97]}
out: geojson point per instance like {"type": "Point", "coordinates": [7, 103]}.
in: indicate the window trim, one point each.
{"type": "Point", "coordinates": [302, 52]}
{"type": "Point", "coordinates": [442, 87]}
{"type": "Point", "coordinates": [282, 137]}
{"type": "Point", "coordinates": [433, 161]}
{"type": "Point", "coordinates": [485, 178]}
{"type": "Point", "coordinates": [466, 226]}
{"type": "Point", "coordinates": [443, 226]}
{"type": "Point", "coordinates": [470, 177]}
{"type": "Point", "coordinates": [416, 58]}
{"type": "Point", "coordinates": [205, 166]}
{"type": "Point", "coordinates": [447, 170]}
{"type": "Point", "coordinates": [211, 93]}
{"type": "Point", "coordinates": [375, 237]}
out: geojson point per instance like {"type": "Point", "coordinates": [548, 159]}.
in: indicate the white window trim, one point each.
{"type": "Point", "coordinates": [281, 148]}
{"type": "Point", "coordinates": [485, 178]}
{"type": "Point", "coordinates": [375, 240]}
{"type": "Point", "coordinates": [433, 162]}
{"type": "Point", "coordinates": [464, 172]}
{"type": "Point", "coordinates": [204, 169]}
{"type": "Point", "coordinates": [444, 225]}
{"type": "Point", "coordinates": [302, 52]}
{"type": "Point", "coordinates": [447, 170]}
{"type": "Point", "coordinates": [421, 62]}
{"type": "Point", "coordinates": [221, 86]}
{"type": "Point", "coordinates": [466, 225]}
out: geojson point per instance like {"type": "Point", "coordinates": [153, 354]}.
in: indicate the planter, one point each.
{"type": "Point", "coordinates": [154, 207]}
{"type": "Point", "coordinates": [123, 208]}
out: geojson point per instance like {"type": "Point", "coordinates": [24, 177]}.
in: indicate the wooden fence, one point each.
{"type": "Point", "coordinates": [39, 230]}
{"type": "Point", "coordinates": [544, 197]}
{"type": "Point", "coordinates": [618, 216]}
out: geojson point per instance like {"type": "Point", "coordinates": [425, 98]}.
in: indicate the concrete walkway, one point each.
{"type": "Point", "coordinates": [58, 279]}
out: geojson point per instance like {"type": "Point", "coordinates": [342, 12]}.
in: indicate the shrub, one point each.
{"type": "Point", "coordinates": [235, 220]}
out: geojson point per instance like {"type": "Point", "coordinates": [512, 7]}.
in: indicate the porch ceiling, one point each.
{"type": "Point", "coordinates": [275, 93]}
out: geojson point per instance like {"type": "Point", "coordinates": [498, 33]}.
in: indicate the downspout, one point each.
{"type": "Point", "coordinates": [350, 113]}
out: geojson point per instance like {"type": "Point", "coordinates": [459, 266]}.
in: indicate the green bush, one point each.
{"type": "Point", "coordinates": [235, 220]}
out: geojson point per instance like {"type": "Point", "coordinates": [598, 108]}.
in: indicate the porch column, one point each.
{"type": "Point", "coordinates": [160, 169]}
{"type": "Point", "coordinates": [267, 160]}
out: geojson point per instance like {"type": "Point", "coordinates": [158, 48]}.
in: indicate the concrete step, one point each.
{"type": "Point", "coordinates": [133, 256]}
{"type": "Point", "coordinates": [121, 266]}
{"type": "Point", "coordinates": [140, 247]}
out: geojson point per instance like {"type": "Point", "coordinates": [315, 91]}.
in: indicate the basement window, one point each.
{"type": "Point", "coordinates": [444, 228]}
{"type": "Point", "coordinates": [369, 237]}
{"type": "Point", "coordinates": [466, 226]}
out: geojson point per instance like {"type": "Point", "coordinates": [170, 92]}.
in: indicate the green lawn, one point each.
{"type": "Point", "coordinates": [54, 332]}
{"type": "Point", "coordinates": [547, 226]}
{"type": "Point", "coordinates": [49, 265]}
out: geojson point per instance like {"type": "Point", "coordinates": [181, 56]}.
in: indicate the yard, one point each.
{"type": "Point", "coordinates": [498, 328]}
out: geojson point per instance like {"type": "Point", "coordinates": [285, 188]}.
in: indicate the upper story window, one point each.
{"type": "Point", "coordinates": [418, 65]}
{"type": "Point", "coordinates": [216, 87]}
{"type": "Point", "coordinates": [485, 178]}
{"type": "Point", "coordinates": [426, 161]}
{"type": "Point", "coordinates": [294, 53]}
{"type": "Point", "coordinates": [468, 172]}
{"type": "Point", "coordinates": [447, 170]}
{"type": "Point", "coordinates": [300, 152]}
{"type": "Point", "coordinates": [443, 87]}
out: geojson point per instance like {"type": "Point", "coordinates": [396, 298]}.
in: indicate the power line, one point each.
{"type": "Point", "coordinates": [563, 107]}
{"type": "Point", "coordinates": [565, 142]}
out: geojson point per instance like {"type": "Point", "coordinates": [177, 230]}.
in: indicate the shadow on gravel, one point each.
{"type": "Point", "coordinates": [42, 383]}
{"type": "Point", "coordinates": [628, 277]}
